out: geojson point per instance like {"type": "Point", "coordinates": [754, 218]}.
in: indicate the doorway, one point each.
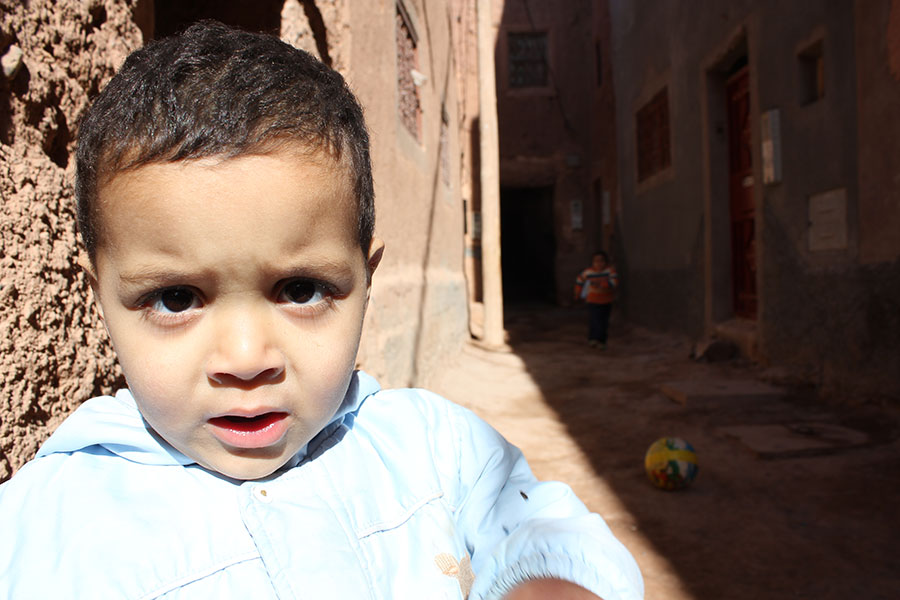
{"type": "Point", "coordinates": [528, 254]}
{"type": "Point", "coordinates": [740, 192]}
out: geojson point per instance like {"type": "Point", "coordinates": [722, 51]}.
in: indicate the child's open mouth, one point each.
{"type": "Point", "coordinates": [257, 431]}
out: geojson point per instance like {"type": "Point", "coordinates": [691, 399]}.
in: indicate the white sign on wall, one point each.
{"type": "Point", "coordinates": [577, 212]}
{"type": "Point", "coordinates": [828, 220]}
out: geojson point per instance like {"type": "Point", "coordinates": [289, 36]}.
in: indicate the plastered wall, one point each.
{"type": "Point", "coordinates": [826, 313]}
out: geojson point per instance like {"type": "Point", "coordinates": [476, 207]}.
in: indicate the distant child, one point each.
{"type": "Point", "coordinates": [596, 286]}
{"type": "Point", "coordinates": [225, 201]}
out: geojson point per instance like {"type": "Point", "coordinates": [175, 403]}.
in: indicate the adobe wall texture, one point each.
{"type": "Point", "coordinates": [53, 351]}
{"type": "Point", "coordinates": [57, 54]}
{"type": "Point", "coordinates": [418, 312]}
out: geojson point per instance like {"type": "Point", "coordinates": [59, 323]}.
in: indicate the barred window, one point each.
{"type": "Point", "coordinates": [527, 59]}
{"type": "Point", "coordinates": [653, 152]}
{"type": "Point", "coordinates": [410, 108]}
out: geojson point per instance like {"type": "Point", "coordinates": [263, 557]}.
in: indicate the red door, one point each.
{"type": "Point", "coordinates": [743, 236]}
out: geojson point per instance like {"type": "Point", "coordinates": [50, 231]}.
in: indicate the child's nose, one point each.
{"type": "Point", "coordinates": [245, 352]}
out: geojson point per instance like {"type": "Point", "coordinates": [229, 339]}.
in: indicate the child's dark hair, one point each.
{"type": "Point", "coordinates": [217, 91]}
{"type": "Point", "coordinates": [601, 253]}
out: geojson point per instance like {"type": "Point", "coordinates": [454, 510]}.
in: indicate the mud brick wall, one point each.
{"type": "Point", "coordinates": [54, 353]}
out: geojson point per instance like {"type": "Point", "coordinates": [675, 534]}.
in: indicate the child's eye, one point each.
{"type": "Point", "coordinates": [173, 300]}
{"type": "Point", "coordinates": [304, 291]}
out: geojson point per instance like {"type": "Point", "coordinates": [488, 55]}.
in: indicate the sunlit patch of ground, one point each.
{"type": "Point", "coordinates": [794, 526]}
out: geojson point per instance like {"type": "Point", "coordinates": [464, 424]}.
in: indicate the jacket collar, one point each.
{"type": "Point", "coordinates": [114, 423]}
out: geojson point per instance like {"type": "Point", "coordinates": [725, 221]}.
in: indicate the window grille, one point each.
{"type": "Point", "coordinates": [527, 59]}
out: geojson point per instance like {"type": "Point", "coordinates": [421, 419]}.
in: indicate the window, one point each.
{"type": "Point", "coordinates": [410, 108]}
{"type": "Point", "coordinates": [653, 152]}
{"type": "Point", "coordinates": [812, 73]}
{"type": "Point", "coordinates": [527, 59]}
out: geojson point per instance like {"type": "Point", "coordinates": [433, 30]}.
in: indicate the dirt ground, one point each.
{"type": "Point", "coordinates": [769, 515]}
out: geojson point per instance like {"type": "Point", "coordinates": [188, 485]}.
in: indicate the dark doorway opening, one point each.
{"type": "Point", "coordinates": [528, 245]}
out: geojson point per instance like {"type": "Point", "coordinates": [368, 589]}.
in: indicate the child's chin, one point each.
{"type": "Point", "coordinates": [247, 469]}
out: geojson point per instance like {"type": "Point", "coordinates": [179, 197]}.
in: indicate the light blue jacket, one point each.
{"type": "Point", "coordinates": [403, 495]}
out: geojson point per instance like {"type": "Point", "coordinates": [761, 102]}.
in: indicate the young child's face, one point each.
{"type": "Point", "coordinates": [234, 292]}
{"type": "Point", "coordinates": [598, 263]}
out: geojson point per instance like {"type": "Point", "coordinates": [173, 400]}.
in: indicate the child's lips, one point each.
{"type": "Point", "coordinates": [256, 431]}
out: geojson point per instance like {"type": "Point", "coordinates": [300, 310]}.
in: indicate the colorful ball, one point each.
{"type": "Point", "coordinates": [671, 463]}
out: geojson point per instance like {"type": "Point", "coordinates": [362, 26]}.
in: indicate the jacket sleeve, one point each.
{"type": "Point", "coordinates": [579, 285]}
{"type": "Point", "coordinates": [517, 528]}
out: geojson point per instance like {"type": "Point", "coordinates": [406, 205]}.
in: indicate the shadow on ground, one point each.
{"type": "Point", "coordinates": [818, 524]}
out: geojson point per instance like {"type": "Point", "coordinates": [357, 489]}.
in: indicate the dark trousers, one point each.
{"type": "Point", "coordinates": [599, 321]}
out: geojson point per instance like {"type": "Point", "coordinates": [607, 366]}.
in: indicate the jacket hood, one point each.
{"type": "Point", "coordinates": [115, 424]}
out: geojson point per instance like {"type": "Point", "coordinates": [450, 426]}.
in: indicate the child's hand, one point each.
{"type": "Point", "coordinates": [549, 589]}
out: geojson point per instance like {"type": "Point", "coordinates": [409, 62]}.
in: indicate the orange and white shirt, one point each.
{"type": "Point", "coordinates": [597, 287]}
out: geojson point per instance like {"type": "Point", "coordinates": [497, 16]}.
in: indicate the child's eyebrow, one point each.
{"type": "Point", "coordinates": [312, 268]}
{"type": "Point", "coordinates": [315, 268]}
{"type": "Point", "coordinates": [145, 276]}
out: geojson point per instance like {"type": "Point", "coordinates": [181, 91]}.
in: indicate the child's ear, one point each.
{"type": "Point", "coordinates": [376, 251]}
{"type": "Point", "coordinates": [87, 266]}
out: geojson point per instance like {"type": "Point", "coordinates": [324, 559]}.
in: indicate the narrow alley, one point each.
{"type": "Point", "coordinates": [739, 162]}
{"type": "Point", "coordinates": [794, 495]}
